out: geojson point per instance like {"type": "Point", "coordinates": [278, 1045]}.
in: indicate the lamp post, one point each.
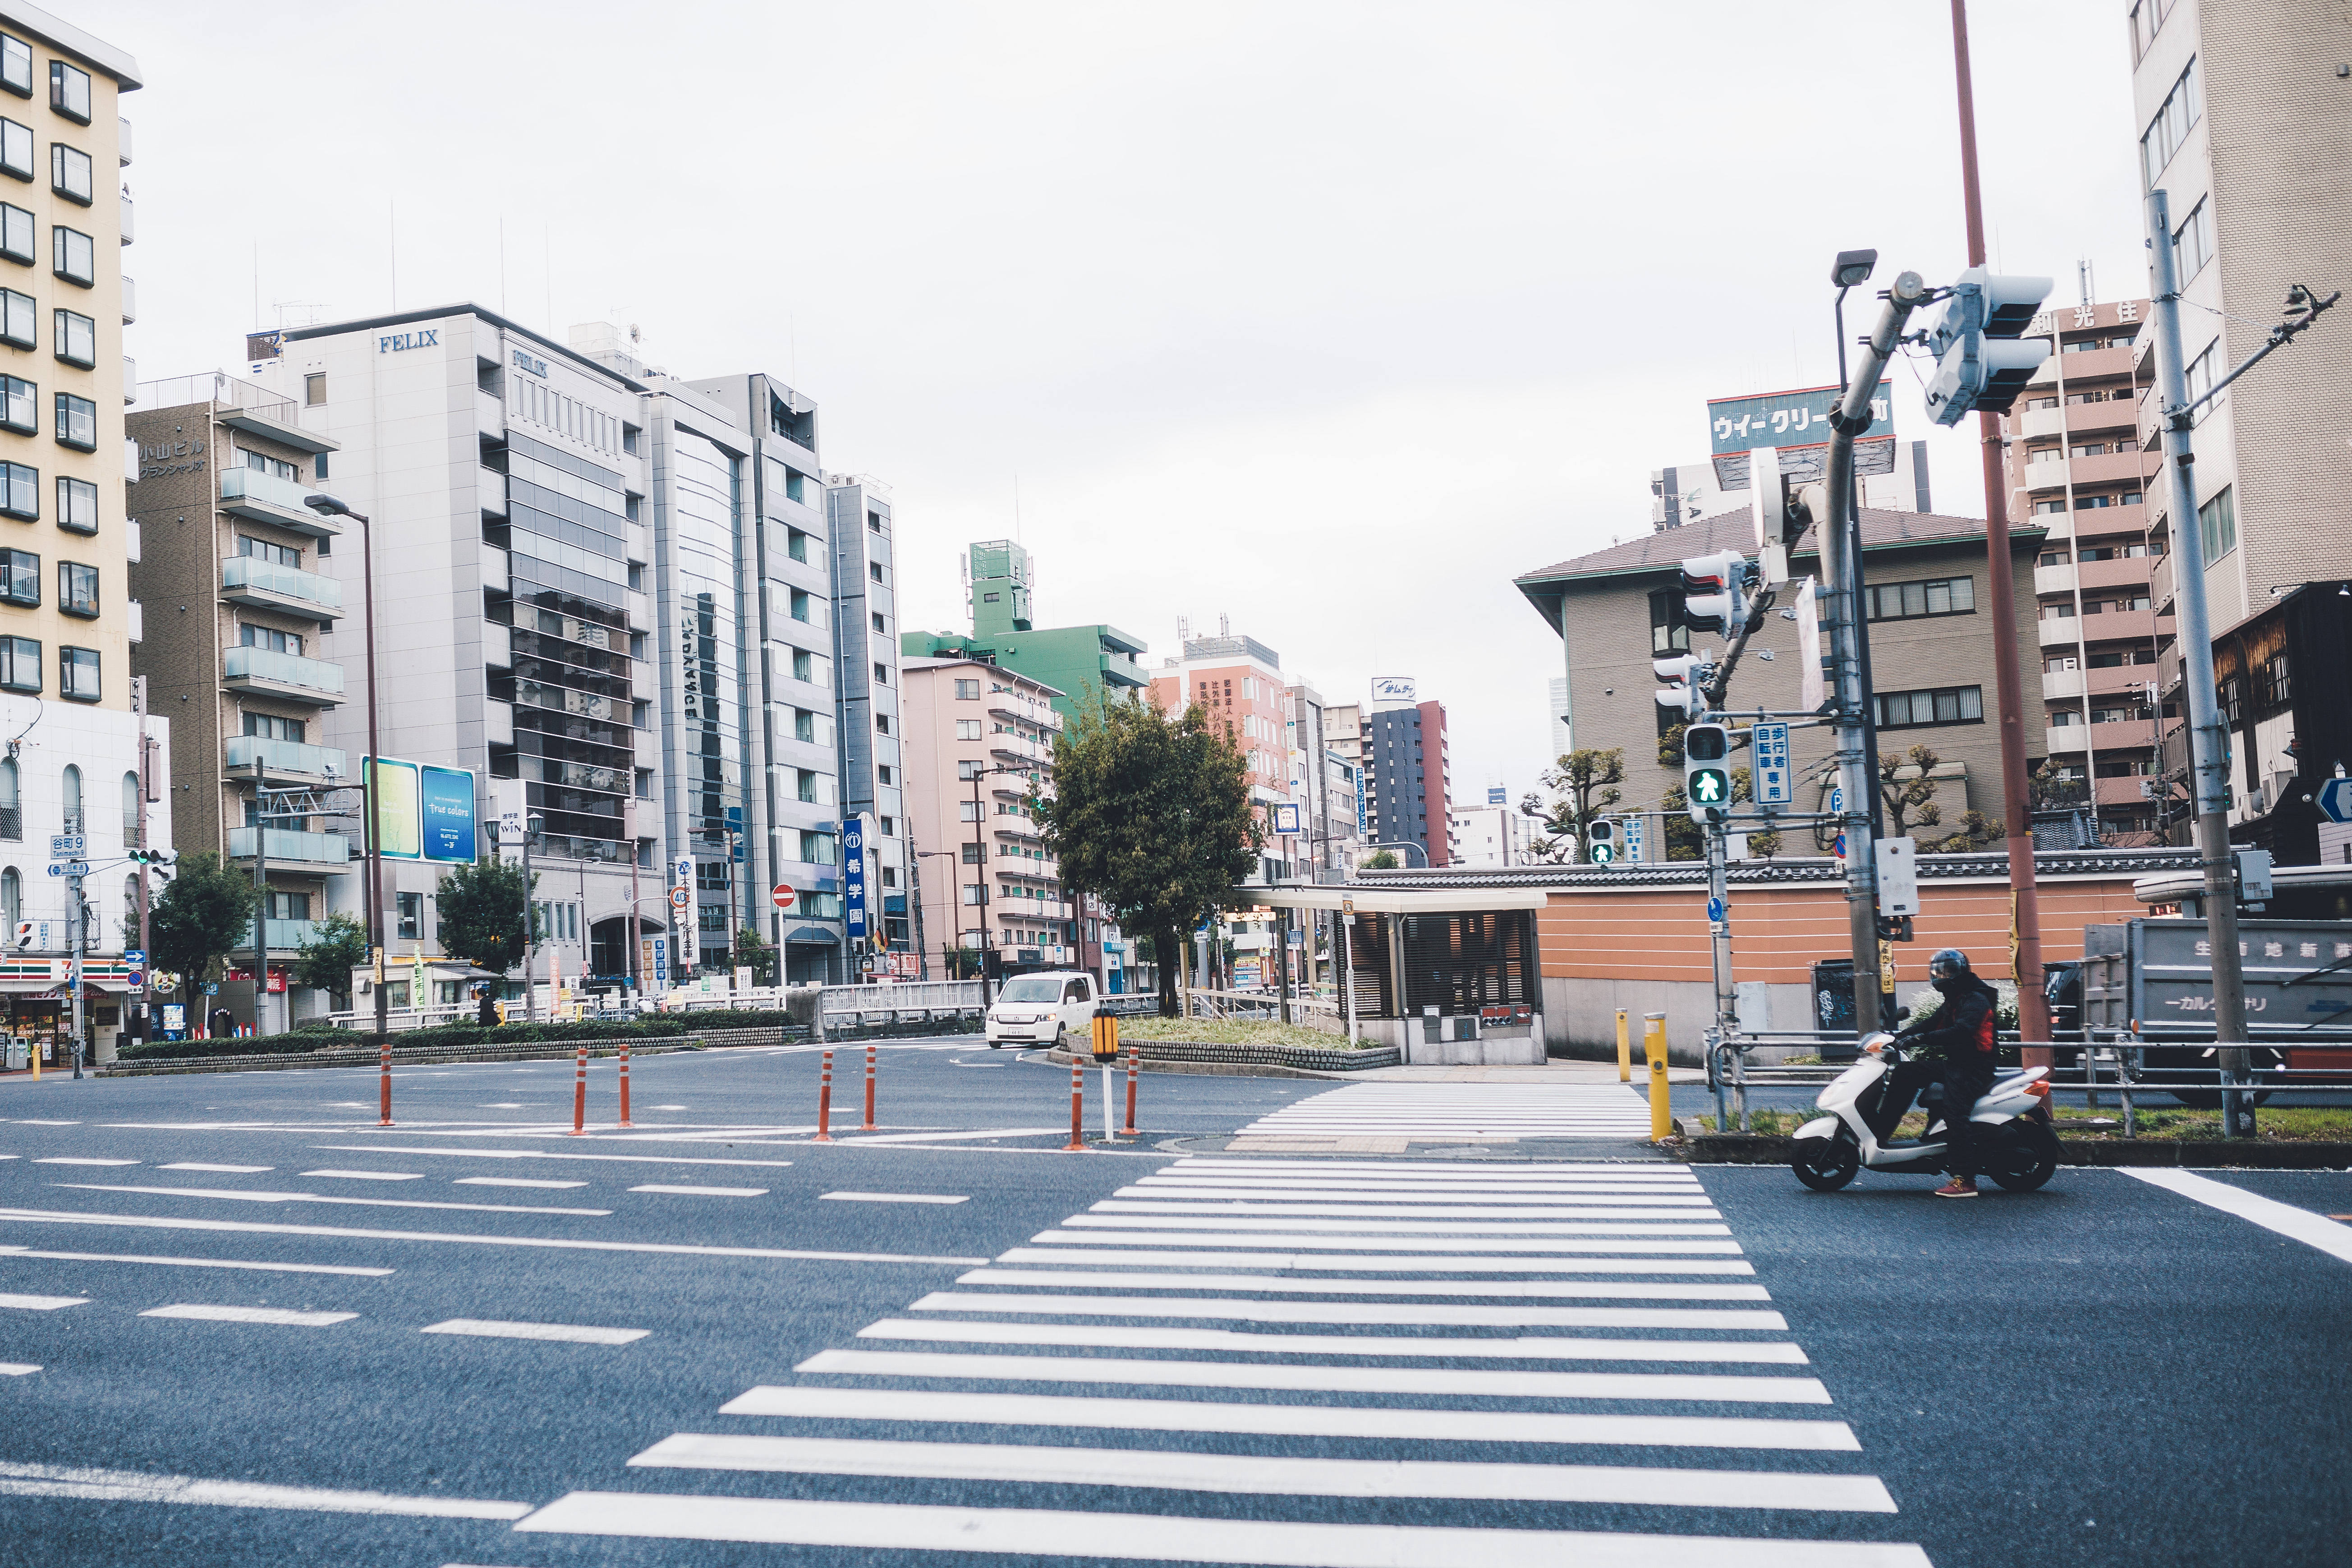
{"type": "Point", "coordinates": [530, 830]}
{"type": "Point", "coordinates": [1851, 269]}
{"type": "Point", "coordinates": [326, 505]}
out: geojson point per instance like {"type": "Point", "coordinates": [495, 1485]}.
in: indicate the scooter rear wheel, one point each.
{"type": "Point", "coordinates": [2023, 1157]}
{"type": "Point", "coordinates": [1824, 1165]}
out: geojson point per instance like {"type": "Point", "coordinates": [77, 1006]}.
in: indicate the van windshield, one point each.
{"type": "Point", "coordinates": [1031, 988]}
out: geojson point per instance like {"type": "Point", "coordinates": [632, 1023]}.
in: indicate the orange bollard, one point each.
{"type": "Point", "coordinates": [624, 1081]}
{"type": "Point", "coordinates": [825, 1101]}
{"type": "Point", "coordinates": [869, 1126]}
{"type": "Point", "coordinates": [1134, 1065]}
{"type": "Point", "coordinates": [383, 1090]}
{"type": "Point", "coordinates": [580, 1094]}
{"type": "Point", "coordinates": [1077, 1104]}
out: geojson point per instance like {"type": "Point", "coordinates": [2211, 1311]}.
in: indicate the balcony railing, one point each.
{"type": "Point", "coordinates": [218, 387]}
{"type": "Point", "coordinates": [263, 664]}
{"type": "Point", "coordinates": [249, 575]}
{"type": "Point", "coordinates": [283, 757]}
{"type": "Point", "coordinates": [268, 490]}
{"type": "Point", "coordinates": [288, 844]}
{"type": "Point", "coordinates": [288, 936]}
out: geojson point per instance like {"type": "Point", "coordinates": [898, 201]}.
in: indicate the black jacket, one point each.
{"type": "Point", "coordinates": [1962, 1028]}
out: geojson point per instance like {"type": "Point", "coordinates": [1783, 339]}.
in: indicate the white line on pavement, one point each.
{"type": "Point", "coordinates": [1636, 1221]}
{"type": "Point", "coordinates": [2301, 1225]}
{"type": "Point", "coordinates": [1324, 1379]}
{"type": "Point", "coordinates": [1423, 1170]}
{"type": "Point", "coordinates": [234, 1195]}
{"type": "Point", "coordinates": [1273, 1202]}
{"type": "Point", "coordinates": [1447, 1314]}
{"type": "Point", "coordinates": [550, 1154]}
{"type": "Point", "coordinates": [1389, 1243]}
{"type": "Point", "coordinates": [212, 1314]}
{"type": "Point", "coordinates": [1452, 1348]}
{"type": "Point", "coordinates": [907, 1527]}
{"type": "Point", "coordinates": [895, 1197]}
{"type": "Point", "coordinates": [131, 1486]}
{"type": "Point", "coordinates": [41, 1304]}
{"type": "Point", "coordinates": [703, 1191]}
{"type": "Point", "coordinates": [59, 1217]}
{"type": "Point", "coordinates": [63, 1160]}
{"type": "Point", "coordinates": [510, 1182]}
{"type": "Point", "coordinates": [1183, 1471]}
{"type": "Point", "coordinates": [29, 1121]}
{"type": "Point", "coordinates": [218, 1170]}
{"type": "Point", "coordinates": [8, 1252]}
{"type": "Point", "coordinates": [1419, 1265]}
{"type": "Point", "coordinates": [17, 1369]}
{"type": "Point", "coordinates": [944, 1137]}
{"type": "Point", "coordinates": [1319, 1420]}
{"type": "Point", "coordinates": [369, 1175]}
{"type": "Point", "coordinates": [1611, 1289]}
{"type": "Point", "coordinates": [572, 1333]}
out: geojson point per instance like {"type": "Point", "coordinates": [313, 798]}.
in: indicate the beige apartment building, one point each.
{"type": "Point", "coordinates": [2076, 469]}
{"type": "Point", "coordinates": [979, 746]}
{"type": "Point", "coordinates": [232, 559]}
{"type": "Point", "coordinates": [1931, 639]}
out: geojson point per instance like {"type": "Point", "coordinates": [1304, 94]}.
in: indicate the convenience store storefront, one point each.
{"type": "Point", "coordinates": [36, 1010]}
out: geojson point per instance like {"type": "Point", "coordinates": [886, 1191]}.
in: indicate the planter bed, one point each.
{"type": "Point", "coordinates": [1190, 1056]}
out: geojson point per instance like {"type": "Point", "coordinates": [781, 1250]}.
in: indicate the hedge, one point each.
{"type": "Point", "coordinates": [666, 1026]}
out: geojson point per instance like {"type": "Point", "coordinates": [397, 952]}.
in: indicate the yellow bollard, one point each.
{"type": "Point", "coordinates": [1625, 1050]}
{"type": "Point", "coordinates": [1653, 1047]}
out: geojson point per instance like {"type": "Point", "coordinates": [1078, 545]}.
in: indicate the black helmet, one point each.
{"type": "Point", "coordinates": [1947, 964]}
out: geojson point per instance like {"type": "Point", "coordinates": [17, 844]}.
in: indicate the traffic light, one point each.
{"type": "Point", "coordinates": [1600, 840]}
{"type": "Point", "coordinates": [1706, 773]}
{"type": "Point", "coordinates": [1981, 364]}
{"type": "Point", "coordinates": [1684, 674]}
{"type": "Point", "coordinates": [152, 857]}
{"type": "Point", "coordinates": [1715, 590]}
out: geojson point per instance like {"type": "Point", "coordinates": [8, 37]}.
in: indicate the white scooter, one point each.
{"type": "Point", "coordinates": [2017, 1146]}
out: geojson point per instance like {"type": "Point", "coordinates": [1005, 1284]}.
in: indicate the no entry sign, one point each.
{"type": "Point", "coordinates": [782, 896]}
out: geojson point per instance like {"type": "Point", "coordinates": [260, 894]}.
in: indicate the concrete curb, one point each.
{"type": "Point", "coordinates": [1755, 1149]}
{"type": "Point", "coordinates": [1213, 1069]}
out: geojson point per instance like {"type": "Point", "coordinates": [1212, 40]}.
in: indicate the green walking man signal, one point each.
{"type": "Point", "coordinates": [1706, 773]}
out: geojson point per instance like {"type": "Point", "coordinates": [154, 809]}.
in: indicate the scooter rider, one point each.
{"type": "Point", "coordinates": [1962, 1028]}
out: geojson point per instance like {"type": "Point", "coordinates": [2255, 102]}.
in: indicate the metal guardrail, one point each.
{"type": "Point", "coordinates": [1310, 1011]}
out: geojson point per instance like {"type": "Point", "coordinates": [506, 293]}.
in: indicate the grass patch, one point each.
{"type": "Point", "coordinates": [1232, 1032]}
{"type": "Point", "coordinates": [2285, 1124]}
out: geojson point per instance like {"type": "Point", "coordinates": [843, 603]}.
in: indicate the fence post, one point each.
{"type": "Point", "coordinates": [1134, 1065]}
{"type": "Point", "coordinates": [825, 1100]}
{"type": "Point", "coordinates": [1625, 1050]}
{"type": "Point", "coordinates": [1077, 1104]}
{"type": "Point", "coordinates": [869, 1126]}
{"type": "Point", "coordinates": [1653, 1047]}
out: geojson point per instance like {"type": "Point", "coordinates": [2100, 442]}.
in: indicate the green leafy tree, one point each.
{"type": "Point", "coordinates": [481, 914]}
{"type": "Point", "coordinates": [753, 951]}
{"type": "Point", "coordinates": [205, 914]}
{"type": "Point", "coordinates": [338, 946]}
{"type": "Point", "coordinates": [1584, 786]}
{"type": "Point", "coordinates": [1379, 860]}
{"type": "Point", "coordinates": [1151, 814]}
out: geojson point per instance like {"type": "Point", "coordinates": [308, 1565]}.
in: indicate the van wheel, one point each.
{"type": "Point", "coordinates": [996, 1044]}
{"type": "Point", "coordinates": [1059, 1030]}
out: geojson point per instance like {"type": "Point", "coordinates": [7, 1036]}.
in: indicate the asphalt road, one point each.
{"type": "Point", "coordinates": [2112, 1370]}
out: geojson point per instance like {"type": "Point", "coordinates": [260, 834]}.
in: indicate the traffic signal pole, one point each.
{"type": "Point", "coordinates": [1840, 575]}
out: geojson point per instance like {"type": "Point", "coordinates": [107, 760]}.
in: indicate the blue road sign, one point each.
{"type": "Point", "coordinates": [1714, 910]}
{"type": "Point", "coordinates": [2336, 799]}
{"type": "Point", "coordinates": [1837, 801]}
{"type": "Point", "coordinates": [1775, 780]}
{"type": "Point", "coordinates": [1838, 847]}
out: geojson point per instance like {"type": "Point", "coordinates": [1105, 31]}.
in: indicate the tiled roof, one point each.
{"type": "Point", "coordinates": [2047, 864]}
{"type": "Point", "coordinates": [1735, 531]}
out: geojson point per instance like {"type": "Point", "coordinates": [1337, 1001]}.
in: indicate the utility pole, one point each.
{"type": "Point", "coordinates": [636, 942]}
{"type": "Point", "coordinates": [146, 903]}
{"type": "Point", "coordinates": [260, 889]}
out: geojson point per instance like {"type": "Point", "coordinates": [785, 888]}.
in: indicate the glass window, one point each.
{"type": "Point", "coordinates": [12, 887]}
{"type": "Point", "coordinates": [2217, 526]}
{"type": "Point", "coordinates": [20, 664]}
{"type": "Point", "coordinates": [881, 673]}
{"type": "Point", "coordinates": [77, 421]}
{"type": "Point", "coordinates": [409, 908]}
{"type": "Point", "coordinates": [77, 588]}
{"type": "Point", "coordinates": [75, 338]}
{"type": "Point", "coordinates": [2192, 242]}
{"type": "Point", "coordinates": [20, 490]}
{"type": "Point", "coordinates": [874, 569]}
{"type": "Point", "coordinates": [1668, 631]}
{"type": "Point", "coordinates": [77, 505]}
{"type": "Point", "coordinates": [77, 674]}
{"type": "Point", "coordinates": [967, 730]}
{"type": "Point", "coordinates": [796, 545]}
{"type": "Point", "coordinates": [263, 550]}
{"type": "Point", "coordinates": [272, 727]}
{"type": "Point", "coordinates": [1933, 596]}
{"type": "Point", "coordinates": [2171, 125]}
{"type": "Point", "coordinates": [70, 173]}
{"type": "Point", "coordinates": [69, 91]}
{"type": "Point", "coordinates": [967, 691]}
{"type": "Point", "coordinates": [20, 406]}
{"type": "Point", "coordinates": [16, 234]}
{"type": "Point", "coordinates": [16, 149]}
{"type": "Point", "coordinates": [20, 577]}
{"type": "Point", "coordinates": [314, 388]}
{"type": "Point", "coordinates": [16, 66]}
{"type": "Point", "coordinates": [19, 320]}
{"type": "Point", "coordinates": [271, 637]}
{"type": "Point", "coordinates": [277, 467]}
{"type": "Point", "coordinates": [1949, 705]}
{"type": "Point", "coordinates": [800, 604]}
{"type": "Point", "coordinates": [73, 256]}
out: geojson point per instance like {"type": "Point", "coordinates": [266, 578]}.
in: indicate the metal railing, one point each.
{"type": "Point", "coordinates": [1306, 1009]}
{"type": "Point", "coordinates": [218, 387]}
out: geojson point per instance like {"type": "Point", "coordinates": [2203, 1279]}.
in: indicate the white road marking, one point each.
{"type": "Point", "coordinates": [703, 1191]}
{"type": "Point", "coordinates": [1452, 1348]}
{"type": "Point", "coordinates": [1641, 1207]}
{"type": "Point", "coordinates": [1424, 1170]}
{"type": "Point", "coordinates": [17, 1369]}
{"type": "Point", "coordinates": [895, 1197]}
{"type": "Point", "coordinates": [562, 1244]}
{"type": "Point", "coordinates": [1309, 1241]}
{"type": "Point", "coordinates": [29, 1121]}
{"type": "Point", "coordinates": [503, 1105]}
{"type": "Point", "coordinates": [1640, 1222]}
{"type": "Point", "coordinates": [1364, 1261]}
{"type": "Point", "coordinates": [551, 1155]}
{"type": "Point", "coordinates": [213, 1315]}
{"type": "Point", "coordinates": [63, 1160]}
{"type": "Point", "coordinates": [908, 1527]}
{"type": "Point", "coordinates": [1434, 1313]}
{"type": "Point", "coordinates": [219, 1170]}
{"type": "Point", "coordinates": [1323, 1379]}
{"type": "Point", "coordinates": [1258, 1473]}
{"type": "Point", "coordinates": [510, 1182]}
{"type": "Point", "coordinates": [1611, 1289]}
{"type": "Point", "coordinates": [41, 1304]}
{"type": "Point", "coordinates": [670, 1107]}
{"type": "Point", "coordinates": [1319, 1420]}
{"type": "Point", "coordinates": [369, 1175]}
{"type": "Point", "coordinates": [570, 1333]}
{"type": "Point", "coordinates": [132, 1486]}
{"type": "Point", "coordinates": [2301, 1225]}
{"type": "Point", "coordinates": [945, 1137]}
{"type": "Point", "coordinates": [8, 1252]}
{"type": "Point", "coordinates": [234, 1195]}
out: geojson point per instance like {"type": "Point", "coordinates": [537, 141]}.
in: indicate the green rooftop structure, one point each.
{"type": "Point", "coordinates": [1076, 661]}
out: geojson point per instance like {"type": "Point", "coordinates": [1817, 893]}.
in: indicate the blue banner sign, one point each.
{"type": "Point", "coordinates": [853, 878]}
{"type": "Point", "coordinates": [446, 797]}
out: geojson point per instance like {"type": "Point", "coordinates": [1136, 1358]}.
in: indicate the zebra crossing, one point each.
{"type": "Point", "coordinates": [1391, 1364]}
{"type": "Point", "coordinates": [1458, 1113]}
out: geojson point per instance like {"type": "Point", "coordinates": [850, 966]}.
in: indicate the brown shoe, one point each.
{"type": "Point", "coordinates": [1958, 1187]}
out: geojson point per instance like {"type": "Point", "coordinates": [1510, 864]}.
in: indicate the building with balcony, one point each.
{"type": "Point", "coordinates": [1409, 773]}
{"type": "Point", "coordinates": [1239, 684]}
{"type": "Point", "coordinates": [980, 741]}
{"type": "Point", "coordinates": [2076, 469]}
{"type": "Point", "coordinates": [241, 567]}
{"type": "Point", "coordinates": [1076, 662]}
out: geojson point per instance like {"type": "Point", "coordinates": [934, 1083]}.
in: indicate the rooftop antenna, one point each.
{"type": "Point", "coordinates": [1225, 625]}
{"type": "Point", "coordinates": [1184, 630]}
{"type": "Point", "coordinates": [2082, 278]}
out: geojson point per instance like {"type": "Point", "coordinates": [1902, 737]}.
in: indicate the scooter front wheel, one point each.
{"type": "Point", "coordinates": [1824, 1165]}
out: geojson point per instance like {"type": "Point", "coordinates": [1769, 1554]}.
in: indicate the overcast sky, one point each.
{"type": "Point", "coordinates": [1329, 317]}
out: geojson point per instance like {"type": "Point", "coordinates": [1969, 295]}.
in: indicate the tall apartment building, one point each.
{"type": "Point", "coordinates": [870, 714]}
{"type": "Point", "coordinates": [67, 618]}
{"type": "Point", "coordinates": [2075, 467]}
{"type": "Point", "coordinates": [237, 565]}
{"type": "Point", "coordinates": [1076, 661]}
{"type": "Point", "coordinates": [2242, 122]}
{"type": "Point", "coordinates": [505, 476]}
{"type": "Point", "coordinates": [1238, 682]}
{"type": "Point", "coordinates": [1409, 771]}
{"type": "Point", "coordinates": [1492, 835]}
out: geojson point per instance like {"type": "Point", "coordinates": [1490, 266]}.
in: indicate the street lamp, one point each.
{"type": "Point", "coordinates": [326, 505]}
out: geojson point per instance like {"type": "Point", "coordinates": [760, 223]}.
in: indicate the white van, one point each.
{"type": "Point", "coordinates": [1041, 1009]}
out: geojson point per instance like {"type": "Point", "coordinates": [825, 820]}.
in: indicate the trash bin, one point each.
{"type": "Point", "coordinates": [1833, 1007]}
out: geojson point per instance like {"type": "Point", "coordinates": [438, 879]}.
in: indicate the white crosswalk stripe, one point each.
{"type": "Point", "coordinates": [1461, 1112]}
{"type": "Point", "coordinates": [1398, 1334]}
